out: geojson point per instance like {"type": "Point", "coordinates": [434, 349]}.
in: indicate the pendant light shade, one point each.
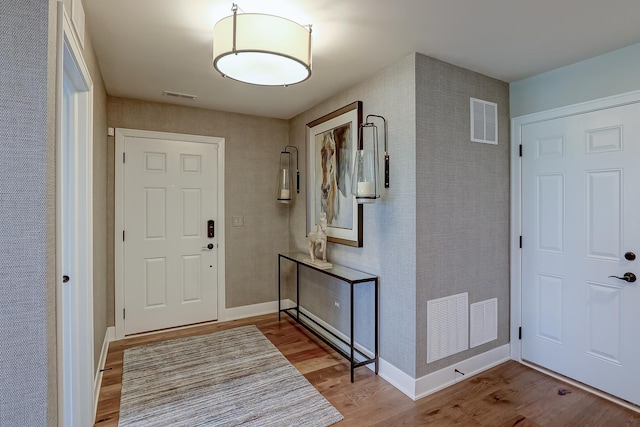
{"type": "Point", "coordinates": [262, 49]}
{"type": "Point", "coordinates": [284, 193]}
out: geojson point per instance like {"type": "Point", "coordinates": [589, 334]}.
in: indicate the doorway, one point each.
{"type": "Point", "coordinates": [169, 230]}
{"type": "Point", "coordinates": [74, 229]}
{"type": "Point", "coordinates": [574, 295]}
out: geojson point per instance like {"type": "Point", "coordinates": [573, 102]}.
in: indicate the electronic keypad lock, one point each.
{"type": "Point", "coordinates": [211, 233]}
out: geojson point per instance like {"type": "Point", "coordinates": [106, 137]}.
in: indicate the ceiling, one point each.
{"type": "Point", "coordinates": [145, 47]}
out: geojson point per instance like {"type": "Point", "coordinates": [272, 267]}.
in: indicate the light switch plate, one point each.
{"type": "Point", "coordinates": [238, 221]}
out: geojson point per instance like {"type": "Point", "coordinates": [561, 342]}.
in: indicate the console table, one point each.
{"type": "Point", "coordinates": [352, 277]}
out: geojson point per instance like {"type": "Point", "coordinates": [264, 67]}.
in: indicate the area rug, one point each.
{"type": "Point", "coordinates": [235, 377]}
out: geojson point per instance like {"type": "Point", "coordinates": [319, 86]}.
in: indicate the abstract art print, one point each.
{"type": "Point", "coordinates": [332, 141]}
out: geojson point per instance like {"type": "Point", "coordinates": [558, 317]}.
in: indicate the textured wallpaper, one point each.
{"type": "Point", "coordinates": [441, 228]}
{"type": "Point", "coordinates": [462, 200]}
{"type": "Point", "coordinates": [389, 224]}
{"type": "Point", "coordinates": [24, 369]}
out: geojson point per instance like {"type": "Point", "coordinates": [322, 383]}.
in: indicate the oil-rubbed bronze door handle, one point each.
{"type": "Point", "coordinates": [65, 279]}
{"type": "Point", "coordinates": [627, 277]}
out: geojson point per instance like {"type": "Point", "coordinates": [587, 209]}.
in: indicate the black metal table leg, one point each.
{"type": "Point", "coordinates": [352, 338]}
{"type": "Point", "coordinates": [298, 291]}
{"type": "Point", "coordinates": [342, 345]}
{"type": "Point", "coordinates": [376, 332]}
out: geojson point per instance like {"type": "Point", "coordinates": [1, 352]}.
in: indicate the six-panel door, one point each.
{"type": "Point", "coordinates": [581, 200]}
{"type": "Point", "coordinates": [170, 195]}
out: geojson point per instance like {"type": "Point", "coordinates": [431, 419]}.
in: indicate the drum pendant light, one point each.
{"type": "Point", "coordinates": [262, 49]}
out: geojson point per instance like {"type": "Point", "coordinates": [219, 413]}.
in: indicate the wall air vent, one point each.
{"type": "Point", "coordinates": [179, 95]}
{"type": "Point", "coordinates": [484, 121]}
{"type": "Point", "coordinates": [484, 322]}
{"type": "Point", "coordinates": [447, 326]}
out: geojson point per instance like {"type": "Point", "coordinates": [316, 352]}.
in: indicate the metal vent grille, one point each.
{"type": "Point", "coordinates": [447, 326]}
{"type": "Point", "coordinates": [484, 121]}
{"type": "Point", "coordinates": [484, 322]}
{"type": "Point", "coordinates": [179, 95]}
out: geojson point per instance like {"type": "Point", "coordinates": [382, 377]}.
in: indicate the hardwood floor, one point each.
{"type": "Point", "coordinates": [508, 395]}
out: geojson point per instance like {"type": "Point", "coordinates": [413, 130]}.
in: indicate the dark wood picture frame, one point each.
{"type": "Point", "coordinates": [332, 141]}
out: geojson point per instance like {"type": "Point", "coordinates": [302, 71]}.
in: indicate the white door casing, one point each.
{"type": "Point", "coordinates": [167, 187]}
{"type": "Point", "coordinates": [578, 198]}
{"type": "Point", "coordinates": [74, 230]}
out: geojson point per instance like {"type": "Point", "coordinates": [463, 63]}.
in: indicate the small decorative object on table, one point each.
{"type": "Point", "coordinates": [318, 242]}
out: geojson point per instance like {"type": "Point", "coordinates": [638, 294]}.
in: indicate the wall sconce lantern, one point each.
{"type": "Point", "coordinates": [285, 180]}
{"type": "Point", "coordinates": [262, 49]}
{"type": "Point", "coordinates": [365, 181]}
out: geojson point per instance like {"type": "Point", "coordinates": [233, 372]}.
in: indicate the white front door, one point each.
{"type": "Point", "coordinates": [580, 204]}
{"type": "Point", "coordinates": [170, 229]}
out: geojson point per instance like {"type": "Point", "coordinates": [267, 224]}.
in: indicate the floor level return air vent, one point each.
{"type": "Point", "coordinates": [447, 326]}
{"type": "Point", "coordinates": [484, 322]}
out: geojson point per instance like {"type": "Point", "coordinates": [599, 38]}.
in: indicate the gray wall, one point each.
{"type": "Point", "coordinates": [389, 224]}
{"type": "Point", "coordinates": [445, 215]}
{"type": "Point", "coordinates": [462, 200]}
{"type": "Point", "coordinates": [610, 74]}
{"type": "Point", "coordinates": [252, 149]}
{"type": "Point", "coordinates": [27, 284]}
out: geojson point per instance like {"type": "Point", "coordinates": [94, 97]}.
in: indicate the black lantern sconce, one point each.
{"type": "Point", "coordinates": [285, 180]}
{"type": "Point", "coordinates": [365, 181]}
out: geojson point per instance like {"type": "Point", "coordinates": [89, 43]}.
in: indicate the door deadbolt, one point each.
{"type": "Point", "coordinates": [630, 256]}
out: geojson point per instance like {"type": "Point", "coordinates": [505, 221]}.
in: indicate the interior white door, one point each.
{"type": "Point", "coordinates": [580, 203]}
{"type": "Point", "coordinates": [170, 259]}
{"type": "Point", "coordinates": [74, 231]}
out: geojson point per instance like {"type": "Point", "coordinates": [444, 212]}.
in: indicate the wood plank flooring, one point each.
{"type": "Point", "coordinates": [508, 395]}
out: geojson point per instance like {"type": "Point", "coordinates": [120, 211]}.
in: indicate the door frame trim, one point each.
{"type": "Point", "coordinates": [120, 135]}
{"type": "Point", "coordinates": [516, 196]}
{"type": "Point", "coordinates": [66, 41]}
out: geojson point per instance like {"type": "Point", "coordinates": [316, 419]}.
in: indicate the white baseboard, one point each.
{"type": "Point", "coordinates": [436, 381]}
{"type": "Point", "coordinates": [397, 378]}
{"type": "Point", "coordinates": [446, 377]}
{"type": "Point", "coordinates": [110, 335]}
{"type": "Point", "coordinates": [394, 376]}
{"type": "Point", "coordinates": [244, 311]}
{"type": "Point", "coordinates": [431, 383]}
{"type": "Point", "coordinates": [369, 352]}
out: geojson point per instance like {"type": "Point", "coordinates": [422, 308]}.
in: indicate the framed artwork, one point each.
{"type": "Point", "coordinates": [332, 141]}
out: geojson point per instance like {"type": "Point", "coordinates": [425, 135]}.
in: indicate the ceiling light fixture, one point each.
{"type": "Point", "coordinates": [262, 49]}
